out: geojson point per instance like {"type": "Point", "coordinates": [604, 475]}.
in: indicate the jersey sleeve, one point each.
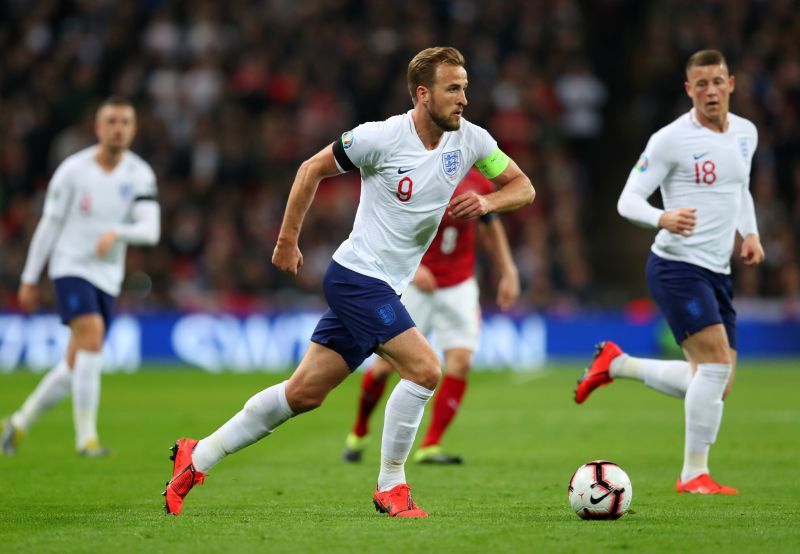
{"type": "Point", "coordinates": [491, 161]}
{"type": "Point", "coordinates": [359, 148]}
{"type": "Point", "coordinates": [747, 224]}
{"type": "Point", "coordinates": [646, 176]}
{"type": "Point", "coordinates": [147, 190]}
{"type": "Point", "coordinates": [59, 193]}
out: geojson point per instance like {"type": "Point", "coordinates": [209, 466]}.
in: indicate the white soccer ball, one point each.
{"type": "Point", "coordinates": [600, 490]}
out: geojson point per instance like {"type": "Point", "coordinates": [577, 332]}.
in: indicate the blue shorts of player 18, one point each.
{"type": "Point", "coordinates": [76, 296]}
{"type": "Point", "coordinates": [363, 313]}
{"type": "Point", "coordinates": [691, 297]}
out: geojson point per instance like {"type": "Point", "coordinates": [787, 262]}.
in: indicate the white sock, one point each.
{"type": "Point", "coordinates": [671, 377]}
{"type": "Point", "coordinates": [86, 395]}
{"type": "Point", "coordinates": [261, 415]}
{"type": "Point", "coordinates": [403, 415]}
{"type": "Point", "coordinates": [51, 390]}
{"type": "Point", "coordinates": [703, 408]}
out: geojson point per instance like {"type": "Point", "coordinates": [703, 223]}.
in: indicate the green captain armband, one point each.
{"type": "Point", "coordinates": [494, 164]}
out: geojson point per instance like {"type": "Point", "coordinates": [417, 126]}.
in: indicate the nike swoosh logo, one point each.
{"type": "Point", "coordinates": [400, 170]}
{"type": "Point", "coordinates": [594, 500]}
{"type": "Point", "coordinates": [698, 156]}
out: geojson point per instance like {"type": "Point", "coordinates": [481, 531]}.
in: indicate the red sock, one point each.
{"type": "Point", "coordinates": [445, 407]}
{"type": "Point", "coordinates": [371, 392]}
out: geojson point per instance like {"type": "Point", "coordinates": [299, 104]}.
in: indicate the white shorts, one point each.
{"type": "Point", "coordinates": [452, 313]}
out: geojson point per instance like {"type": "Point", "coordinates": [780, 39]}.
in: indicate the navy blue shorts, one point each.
{"type": "Point", "coordinates": [691, 297]}
{"type": "Point", "coordinates": [76, 296]}
{"type": "Point", "coordinates": [363, 313]}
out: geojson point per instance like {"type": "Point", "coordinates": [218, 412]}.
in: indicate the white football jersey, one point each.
{"type": "Point", "coordinates": [698, 168]}
{"type": "Point", "coordinates": [405, 189]}
{"type": "Point", "coordinates": [89, 201]}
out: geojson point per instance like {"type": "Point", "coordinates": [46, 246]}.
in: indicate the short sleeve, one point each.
{"type": "Point", "coordinates": [59, 192]}
{"type": "Point", "coordinates": [483, 143]}
{"type": "Point", "coordinates": [489, 159]}
{"type": "Point", "coordinates": [360, 147]}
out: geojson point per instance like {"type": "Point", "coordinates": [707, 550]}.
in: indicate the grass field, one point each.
{"type": "Point", "coordinates": [521, 436]}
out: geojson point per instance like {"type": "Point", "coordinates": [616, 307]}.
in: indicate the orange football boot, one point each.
{"type": "Point", "coordinates": [703, 484]}
{"type": "Point", "coordinates": [397, 502]}
{"type": "Point", "coordinates": [596, 375]}
{"type": "Point", "coordinates": [184, 475]}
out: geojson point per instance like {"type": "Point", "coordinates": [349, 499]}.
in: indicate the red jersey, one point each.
{"type": "Point", "coordinates": [451, 255]}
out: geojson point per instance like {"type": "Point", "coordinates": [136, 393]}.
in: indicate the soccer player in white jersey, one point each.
{"type": "Point", "coordinates": [99, 200]}
{"type": "Point", "coordinates": [410, 164]}
{"type": "Point", "coordinates": [702, 162]}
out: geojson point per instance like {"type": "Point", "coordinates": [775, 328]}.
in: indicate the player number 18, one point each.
{"type": "Point", "coordinates": [705, 172]}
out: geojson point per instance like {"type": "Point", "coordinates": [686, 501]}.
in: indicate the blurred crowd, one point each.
{"type": "Point", "coordinates": [232, 96]}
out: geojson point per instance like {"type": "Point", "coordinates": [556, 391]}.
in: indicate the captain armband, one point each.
{"type": "Point", "coordinates": [494, 164]}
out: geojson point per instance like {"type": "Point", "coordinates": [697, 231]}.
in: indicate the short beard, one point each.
{"type": "Point", "coordinates": [444, 124]}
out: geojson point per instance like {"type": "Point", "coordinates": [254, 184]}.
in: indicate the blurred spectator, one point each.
{"type": "Point", "coordinates": [232, 97]}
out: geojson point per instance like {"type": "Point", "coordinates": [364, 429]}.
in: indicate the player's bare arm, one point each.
{"type": "Point", "coordinates": [514, 191]}
{"type": "Point", "coordinates": [287, 256]}
{"type": "Point", "coordinates": [424, 279]}
{"type": "Point", "coordinates": [28, 297]}
{"type": "Point", "coordinates": [681, 221]}
{"type": "Point", "coordinates": [752, 253]}
{"type": "Point", "coordinates": [496, 244]}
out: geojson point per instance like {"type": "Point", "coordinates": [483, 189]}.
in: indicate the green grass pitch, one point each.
{"type": "Point", "coordinates": [521, 435]}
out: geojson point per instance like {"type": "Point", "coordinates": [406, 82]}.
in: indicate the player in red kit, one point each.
{"type": "Point", "coordinates": [443, 298]}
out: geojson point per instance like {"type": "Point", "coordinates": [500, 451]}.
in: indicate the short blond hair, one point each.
{"type": "Point", "coordinates": [117, 101]}
{"type": "Point", "coordinates": [705, 57]}
{"type": "Point", "coordinates": [422, 68]}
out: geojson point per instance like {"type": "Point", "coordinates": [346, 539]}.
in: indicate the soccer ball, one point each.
{"type": "Point", "coordinates": [600, 490]}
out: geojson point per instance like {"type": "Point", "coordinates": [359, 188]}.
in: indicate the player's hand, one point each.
{"type": "Point", "coordinates": [28, 296]}
{"type": "Point", "coordinates": [681, 221]}
{"type": "Point", "coordinates": [752, 252]}
{"type": "Point", "coordinates": [508, 291]}
{"type": "Point", "coordinates": [468, 205]}
{"type": "Point", "coordinates": [105, 242]}
{"type": "Point", "coordinates": [424, 279]}
{"type": "Point", "coordinates": [287, 257]}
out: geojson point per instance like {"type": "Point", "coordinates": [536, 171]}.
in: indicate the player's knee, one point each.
{"type": "Point", "coordinates": [719, 354]}
{"type": "Point", "coordinates": [303, 399]}
{"type": "Point", "coordinates": [87, 334]}
{"type": "Point", "coordinates": [91, 343]}
{"type": "Point", "coordinates": [422, 368]}
{"type": "Point", "coordinates": [712, 351]}
{"type": "Point", "coordinates": [430, 374]}
{"type": "Point", "coordinates": [458, 364]}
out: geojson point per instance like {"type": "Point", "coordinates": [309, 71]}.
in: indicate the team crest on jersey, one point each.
{"type": "Point", "coordinates": [744, 148]}
{"type": "Point", "coordinates": [386, 314]}
{"type": "Point", "coordinates": [348, 138]}
{"type": "Point", "coordinates": [451, 163]}
{"type": "Point", "coordinates": [85, 204]}
{"type": "Point", "coordinates": [643, 163]}
{"type": "Point", "coordinates": [126, 191]}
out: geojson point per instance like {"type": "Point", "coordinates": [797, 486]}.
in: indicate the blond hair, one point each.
{"type": "Point", "coordinates": [422, 68]}
{"type": "Point", "coordinates": [705, 57]}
